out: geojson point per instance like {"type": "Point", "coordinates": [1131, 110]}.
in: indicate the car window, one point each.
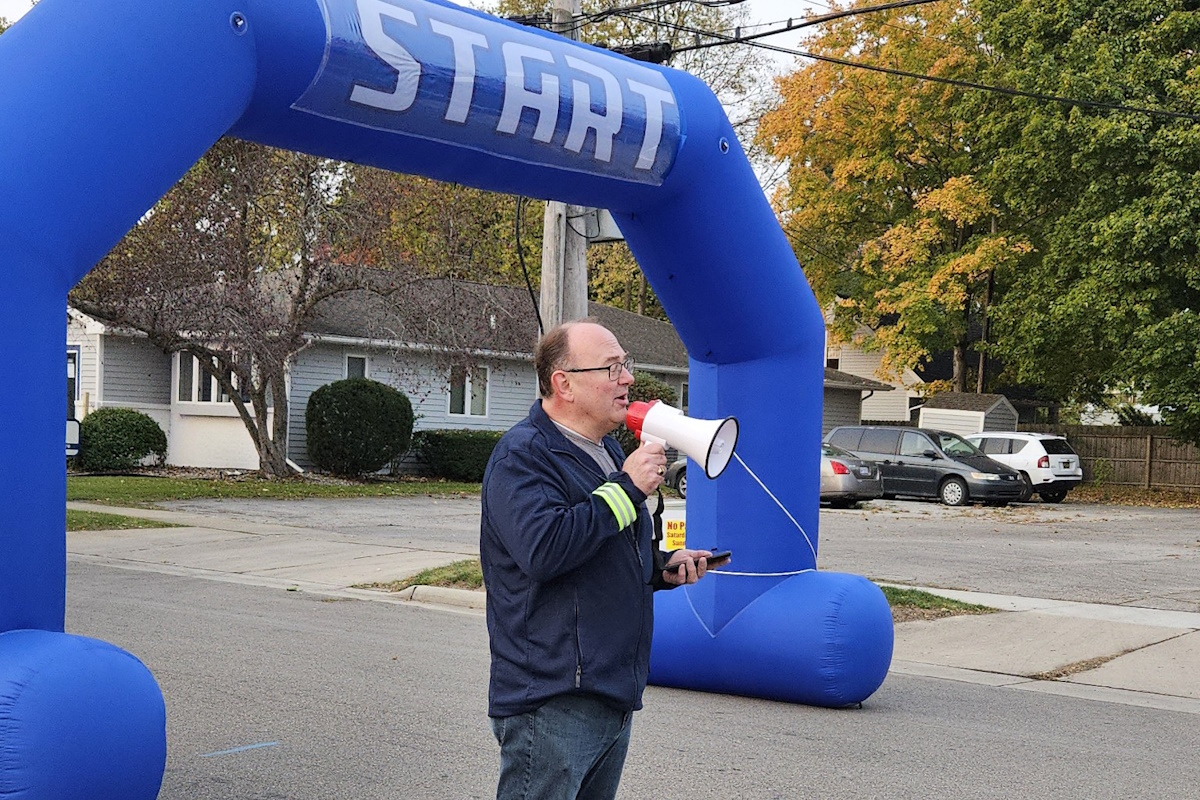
{"type": "Point", "coordinates": [914, 444]}
{"type": "Point", "coordinates": [833, 451]}
{"type": "Point", "coordinates": [1019, 444]}
{"type": "Point", "coordinates": [1057, 447]}
{"type": "Point", "coordinates": [879, 440]}
{"type": "Point", "coordinates": [994, 445]}
{"type": "Point", "coordinates": [954, 445]}
{"type": "Point", "coordinates": [846, 438]}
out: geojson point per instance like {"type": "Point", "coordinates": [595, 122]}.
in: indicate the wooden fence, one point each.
{"type": "Point", "coordinates": [1146, 457]}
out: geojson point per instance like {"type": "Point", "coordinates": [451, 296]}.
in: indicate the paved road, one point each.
{"type": "Point", "coordinates": [275, 694]}
{"type": "Point", "coordinates": [1086, 553]}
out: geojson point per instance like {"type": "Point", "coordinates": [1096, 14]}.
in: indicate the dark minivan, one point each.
{"type": "Point", "coordinates": [919, 462]}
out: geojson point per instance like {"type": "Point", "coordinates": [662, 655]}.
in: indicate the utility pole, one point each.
{"type": "Point", "coordinates": [564, 245]}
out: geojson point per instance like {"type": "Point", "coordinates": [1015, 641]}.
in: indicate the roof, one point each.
{"type": "Point", "coordinates": [836, 379]}
{"type": "Point", "coordinates": [966, 401]}
{"type": "Point", "coordinates": [483, 317]}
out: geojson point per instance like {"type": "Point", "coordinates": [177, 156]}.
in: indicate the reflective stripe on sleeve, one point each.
{"type": "Point", "coordinates": [620, 504]}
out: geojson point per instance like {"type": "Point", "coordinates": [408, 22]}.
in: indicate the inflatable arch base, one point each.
{"type": "Point", "coordinates": [818, 638]}
{"type": "Point", "coordinates": [79, 718]}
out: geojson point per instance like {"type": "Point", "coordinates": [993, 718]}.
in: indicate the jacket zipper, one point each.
{"type": "Point", "coordinates": [578, 647]}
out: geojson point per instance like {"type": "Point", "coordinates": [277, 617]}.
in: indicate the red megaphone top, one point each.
{"type": "Point", "coordinates": [635, 415]}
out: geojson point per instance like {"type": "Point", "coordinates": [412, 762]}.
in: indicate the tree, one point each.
{"type": "Point", "coordinates": [234, 264]}
{"type": "Point", "coordinates": [450, 230]}
{"type": "Point", "coordinates": [1108, 296]}
{"type": "Point", "coordinates": [882, 199]}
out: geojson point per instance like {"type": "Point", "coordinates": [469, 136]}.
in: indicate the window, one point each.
{"type": "Point", "coordinates": [879, 440]}
{"type": "Point", "coordinates": [73, 372]}
{"type": "Point", "coordinates": [846, 438]}
{"type": "Point", "coordinates": [356, 366]}
{"type": "Point", "coordinates": [1057, 447]}
{"type": "Point", "coordinates": [468, 391]}
{"type": "Point", "coordinates": [198, 382]}
{"type": "Point", "coordinates": [914, 444]}
{"type": "Point", "coordinates": [995, 445]}
{"type": "Point", "coordinates": [683, 397]}
{"type": "Point", "coordinates": [833, 363]}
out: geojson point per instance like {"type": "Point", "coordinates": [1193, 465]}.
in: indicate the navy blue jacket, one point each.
{"type": "Point", "coordinates": [569, 595]}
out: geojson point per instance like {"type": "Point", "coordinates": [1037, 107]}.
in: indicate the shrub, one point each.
{"type": "Point", "coordinates": [119, 438]}
{"type": "Point", "coordinates": [645, 388]}
{"type": "Point", "coordinates": [456, 455]}
{"type": "Point", "coordinates": [357, 426]}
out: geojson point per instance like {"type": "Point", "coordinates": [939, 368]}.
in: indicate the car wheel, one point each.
{"type": "Point", "coordinates": [954, 492]}
{"type": "Point", "coordinates": [1026, 489]}
{"type": "Point", "coordinates": [681, 483]}
{"type": "Point", "coordinates": [1053, 495]}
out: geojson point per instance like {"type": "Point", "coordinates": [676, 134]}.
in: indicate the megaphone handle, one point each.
{"type": "Point", "coordinates": [651, 438]}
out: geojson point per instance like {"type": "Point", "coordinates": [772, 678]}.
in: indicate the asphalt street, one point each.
{"type": "Point", "coordinates": [1143, 557]}
{"type": "Point", "coordinates": [285, 694]}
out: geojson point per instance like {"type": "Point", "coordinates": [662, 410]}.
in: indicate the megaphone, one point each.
{"type": "Point", "coordinates": [708, 442]}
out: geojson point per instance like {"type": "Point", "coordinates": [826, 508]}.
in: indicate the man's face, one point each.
{"type": "Point", "coordinates": [598, 401]}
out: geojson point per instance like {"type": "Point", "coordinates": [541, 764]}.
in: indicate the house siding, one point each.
{"type": "Point", "coordinates": [512, 388]}
{"type": "Point", "coordinates": [890, 406]}
{"type": "Point", "coordinates": [842, 407]}
{"type": "Point", "coordinates": [953, 420]}
{"type": "Point", "coordinates": [1000, 418]}
{"type": "Point", "coordinates": [89, 360]}
{"type": "Point", "coordinates": [136, 373]}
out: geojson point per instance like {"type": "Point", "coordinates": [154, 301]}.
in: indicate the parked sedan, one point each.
{"type": "Point", "coordinates": [846, 478]}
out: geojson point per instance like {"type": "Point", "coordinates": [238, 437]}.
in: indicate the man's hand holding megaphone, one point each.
{"type": "Point", "coordinates": [646, 466]}
{"type": "Point", "coordinates": [710, 443]}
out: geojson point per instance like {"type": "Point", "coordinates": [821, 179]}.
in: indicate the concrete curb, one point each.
{"type": "Point", "coordinates": [442, 596]}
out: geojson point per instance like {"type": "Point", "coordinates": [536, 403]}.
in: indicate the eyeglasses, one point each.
{"type": "Point", "coordinates": [614, 370]}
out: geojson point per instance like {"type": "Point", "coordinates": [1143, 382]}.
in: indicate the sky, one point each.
{"type": "Point", "coordinates": [13, 9]}
{"type": "Point", "coordinates": [760, 11]}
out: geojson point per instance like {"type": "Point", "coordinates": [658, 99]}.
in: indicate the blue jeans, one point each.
{"type": "Point", "coordinates": [572, 748]}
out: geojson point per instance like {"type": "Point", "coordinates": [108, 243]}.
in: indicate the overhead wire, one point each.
{"type": "Point", "coordinates": [751, 41]}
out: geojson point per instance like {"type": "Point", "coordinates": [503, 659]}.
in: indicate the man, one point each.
{"type": "Point", "coordinates": [570, 568]}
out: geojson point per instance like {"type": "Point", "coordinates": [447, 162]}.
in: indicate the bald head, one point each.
{"type": "Point", "coordinates": [575, 387]}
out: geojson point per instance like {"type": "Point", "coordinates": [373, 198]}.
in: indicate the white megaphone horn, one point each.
{"type": "Point", "coordinates": [708, 442]}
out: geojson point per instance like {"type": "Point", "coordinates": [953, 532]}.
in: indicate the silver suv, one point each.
{"type": "Point", "coordinates": [1048, 464]}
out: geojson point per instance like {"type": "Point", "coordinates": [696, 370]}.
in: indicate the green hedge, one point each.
{"type": "Point", "coordinates": [458, 455]}
{"type": "Point", "coordinates": [357, 426]}
{"type": "Point", "coordinates": [645, 388]}
{"type": "Point", "coordinates": [119, 438]}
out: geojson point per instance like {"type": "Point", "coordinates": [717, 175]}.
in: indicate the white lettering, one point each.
{"type": "Point", "coordinates": [517, 98]}
{"type": "Point", "coordinates": [606, 124]}
{"type": "Point", "coordinates": [465, 42]}
{"type": "Point", "coordinates": [408, 71]}
{"type": "Point", "coordinates": [655, 100]}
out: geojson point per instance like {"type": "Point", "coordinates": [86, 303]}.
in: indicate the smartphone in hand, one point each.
{"type": "Point", "coordinates": [717, 559]}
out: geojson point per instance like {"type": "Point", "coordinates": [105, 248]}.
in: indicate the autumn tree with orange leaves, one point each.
{"type": "Point", "coordinates": [882, 203]}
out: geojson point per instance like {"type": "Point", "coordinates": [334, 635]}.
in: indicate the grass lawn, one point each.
{"type": "Point", "coordinates": [140, 490]}
{"type": "Point", "coordinates": [99, 521]}
{"type": "Point", "coordinates": [907, 604]}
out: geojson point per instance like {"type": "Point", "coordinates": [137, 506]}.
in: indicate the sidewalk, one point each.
{"type": "Point", "coordinates": [1136, 656]}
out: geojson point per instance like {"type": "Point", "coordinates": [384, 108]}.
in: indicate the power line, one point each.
{"type": "Point", "coordinates": [723, 40]}
{"type": "Point", "coordinates": [808, 22]}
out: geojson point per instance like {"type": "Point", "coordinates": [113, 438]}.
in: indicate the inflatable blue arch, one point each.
{"type": "Point", "coordinates": [104, 104]}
